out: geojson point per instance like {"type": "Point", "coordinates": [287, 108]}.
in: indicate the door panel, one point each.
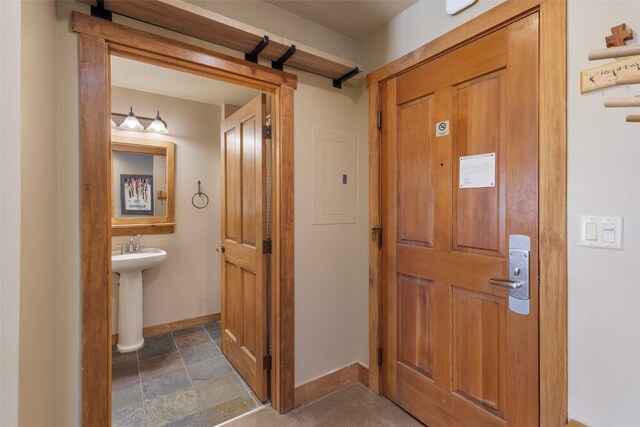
{"type": "Point", "coordinates": [244, 319]}
{"type": "Point", "coordinates": [453, 352]}
{"type": "Point", "coordinates": [415, 182]}
{"type": "Point", "coordinates": [250, 197]}
{"type": "Point", "coordinates": [478, 348]}
{"type": "Point", "coordinates": [478, 126]}
{"type": "Point", "coordinates": [490, 53]}
{"type": "Point", "coordinates": [249, 309]}
{"type": "Point", "coordinates": [231, 200]}
{"type": "Point", "coordinates": [415, 336]}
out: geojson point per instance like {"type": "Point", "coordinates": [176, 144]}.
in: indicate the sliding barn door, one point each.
{"type": "Point", "coordinates": [460, 217]}
{"type": "Point", "coordinates": [244, 297]}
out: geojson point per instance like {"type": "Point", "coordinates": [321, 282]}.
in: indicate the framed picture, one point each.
{"type": "Point", "coordinates": [137, 194]}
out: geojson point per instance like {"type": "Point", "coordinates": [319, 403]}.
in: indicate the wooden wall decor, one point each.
{"type": "Point", "coordinates": [621, 72]}
{"type": "Point", "coordinates": [614, 52]}
{"type": "Point", "coordinates": [622, 102]}
{"type": "Point", "coordinates": [608, 75]}
{"type": "Point", "coordinates": [619, 36]}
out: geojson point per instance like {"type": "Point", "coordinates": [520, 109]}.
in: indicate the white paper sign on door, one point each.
{"type": "Point", "coordinates": [478, 171]}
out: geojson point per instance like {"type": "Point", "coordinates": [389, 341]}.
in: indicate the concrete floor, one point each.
{"type": "Point", "coordinates": [353, 406]}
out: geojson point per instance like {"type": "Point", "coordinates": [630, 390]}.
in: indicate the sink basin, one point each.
{"type": "Point", "coordinates": [149, 257]}
{"type": "Point", "coordinates": [130, 267]}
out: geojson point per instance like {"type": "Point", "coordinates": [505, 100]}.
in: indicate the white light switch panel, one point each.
{"type": "Point", "coordinates": [601, 231]}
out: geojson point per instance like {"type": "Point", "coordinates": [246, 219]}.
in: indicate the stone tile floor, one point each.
{"type": "Point", "coordinates": [178, 379]}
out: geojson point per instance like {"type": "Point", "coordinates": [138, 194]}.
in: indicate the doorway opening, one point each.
{"type": "Point", "coordinates": [99, 40]}
{"type": "Point", "coordinates": [178, 369]}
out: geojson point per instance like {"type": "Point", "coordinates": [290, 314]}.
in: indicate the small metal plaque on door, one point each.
{"type": "Point", "coordinates": [442, 128]}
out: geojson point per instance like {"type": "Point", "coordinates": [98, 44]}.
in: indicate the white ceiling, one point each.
{"type": "Point", "coordinates": [354, 18]}
{"type": "Point", "coordinates": [164, 81]}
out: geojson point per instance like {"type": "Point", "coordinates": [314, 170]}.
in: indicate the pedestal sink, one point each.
{"type": "Point", "coordinates": [130, 267]}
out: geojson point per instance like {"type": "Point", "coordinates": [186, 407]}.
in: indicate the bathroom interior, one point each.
{"type": "Point", "coordinates": [167, 361]}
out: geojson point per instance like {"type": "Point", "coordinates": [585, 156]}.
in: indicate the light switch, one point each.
{"type": "Point", "coordinates": [601, 231]}
{"type": "Point", "coordinates": [609, 233]}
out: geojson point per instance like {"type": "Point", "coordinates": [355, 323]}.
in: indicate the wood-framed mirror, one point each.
{"type": "Point", "coordinates": [143, 188]}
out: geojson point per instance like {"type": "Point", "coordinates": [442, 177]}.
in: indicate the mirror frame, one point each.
{"type": "Point", "coordinates": [145, 225]}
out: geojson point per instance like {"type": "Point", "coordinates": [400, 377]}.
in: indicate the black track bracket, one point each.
{"type": "Point", "coordinates": [253, 55]}
{"type": "Point", "coordinates": [100, 12]}
{"type": "Point", "coordinates": [337, 83]}
{"type": "Point", "coordinates": [279, 64]}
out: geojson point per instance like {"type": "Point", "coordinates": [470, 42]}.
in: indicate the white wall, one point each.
{"type": "Point", "coordinates": [38, 227]}
{"type": "Point", "coordinates": [604, 287]}
{"type": "Point", "coordinates": [10, 117]}
{"type": "Point", "coordinates": [187, 283]}
{"type": "Point", "coordinates": [69, 323]}
{"type": "Point", "coordinates": [278, 21]}
{"type": "Point", "coordinates": [326, 274]}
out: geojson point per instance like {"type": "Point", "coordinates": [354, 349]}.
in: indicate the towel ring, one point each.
{"type": "Point", "coordinates": [200, 194]}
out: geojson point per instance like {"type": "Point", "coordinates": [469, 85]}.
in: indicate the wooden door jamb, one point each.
{"type": "Point", "coordinates": [98, 40]}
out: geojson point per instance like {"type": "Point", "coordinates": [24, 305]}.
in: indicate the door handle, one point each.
{"type": "Point", "coordinates": [220, 248]}
{"type": "Point", "coordinates": [518, 282]}
{"type": "Point", "coordinates": [509, 284]}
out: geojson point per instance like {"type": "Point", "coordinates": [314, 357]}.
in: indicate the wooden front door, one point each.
{"type": "Point", "coordinates": [454, 353]}
{"type": "Point", "coordinates": [244, 295]}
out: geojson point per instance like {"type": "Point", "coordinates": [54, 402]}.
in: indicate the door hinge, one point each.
{"type": "Point", "coordinates": [378, 232]}
{"type": "Point", "coordinates": [266, 131]}
{"type": "Point", "coordinates": [266, 246]}
{"type": "Point", "coordinates": [379, 119]}
{"type": "Point", "coordinates": [266, 362]}
{"type": "Point", "coordinates": [380, 356]}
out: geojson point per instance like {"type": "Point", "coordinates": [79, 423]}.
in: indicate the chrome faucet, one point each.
{"type": "Point", "coordinates": [139, 245]}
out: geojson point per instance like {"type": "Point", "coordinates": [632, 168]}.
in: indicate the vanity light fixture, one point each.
{"type": "Point", "coordinates": [131, 122]}
{"type": "Point", "coordinates": [158, 125]}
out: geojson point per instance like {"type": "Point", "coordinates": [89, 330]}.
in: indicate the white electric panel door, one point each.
{"type": "Point", "coordinates": [334, 177]}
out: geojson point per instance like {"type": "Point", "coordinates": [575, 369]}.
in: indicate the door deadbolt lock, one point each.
{"type": "Point", "coordinates": [518, 283]}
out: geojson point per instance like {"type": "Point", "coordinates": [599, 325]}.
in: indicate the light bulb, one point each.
{"type": "Point", "coordinates": [158, 125]}
{"type": "Point", "coordinates": [131, 122]}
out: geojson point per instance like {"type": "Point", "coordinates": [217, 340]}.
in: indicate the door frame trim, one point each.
{"type": "Point", "coordinates": [98, 39]}
{"type": "Point", "coordinates": [552, 117]}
